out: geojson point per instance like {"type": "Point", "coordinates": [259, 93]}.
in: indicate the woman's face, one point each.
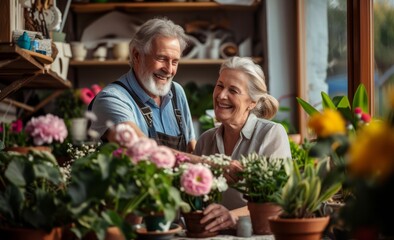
{"type": "Point", "coordinates": [231, 100]}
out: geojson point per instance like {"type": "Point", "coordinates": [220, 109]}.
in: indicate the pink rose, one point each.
{"type": "Point", "coordinates": [163, 157]}
{"type": "Point", "coordinates": [87, 95]}
{"type": "Point", "coordinates": [142, 149]}
{"type": "Point", "coordinates": [125, 135]}
{"type": "Point", "coordinates": [197, 180]}
{"type": "Point", "coordinates": [96, 88]}
{"type": "Point", "coordinates": [46, 129]}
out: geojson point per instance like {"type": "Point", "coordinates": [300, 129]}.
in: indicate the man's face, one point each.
{"type": "Point", "coordinates": [156, 69]}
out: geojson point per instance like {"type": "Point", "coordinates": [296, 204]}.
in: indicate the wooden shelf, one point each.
{"type": "Point", "coordinates": [157, 6]}
{"type": "Point", "coordinates": [111, 63]}
{"type": "Point", "coordinates": [19, 69]}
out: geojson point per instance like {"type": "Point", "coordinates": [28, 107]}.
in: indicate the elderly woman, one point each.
{"type": "Point", "coordinates": [243, 106]}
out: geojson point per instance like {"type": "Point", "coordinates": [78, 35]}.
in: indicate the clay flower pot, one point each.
{"type": "Point", "coordinates": [259, 214]}
{"type": "Point", "coordinates": [298, 228]}
{"type": "Point", "coordinates": [194, 228]}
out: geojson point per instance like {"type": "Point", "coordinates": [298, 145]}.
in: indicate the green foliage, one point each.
{"type": "Point", "coordinates": [299, 153]}
{"type": "Point", "coordinates": [341, 104]}
{"type": "Point", "coordinates": [306, 190]}
{"type": "Point", "coordinates": [262, 178]}
{"type": "Point", "coordinates": [106, 187]}
{"type": "Point", "coordinates": [32, 191]}
{"type": "Point", "coordinates": [199, 98]}
{"type": "Point", "coordinates": [102, 191]}
{"type": "Point", "coordinates": [69, 105]}
{"type": "Point", "coordinates": [383, 34]}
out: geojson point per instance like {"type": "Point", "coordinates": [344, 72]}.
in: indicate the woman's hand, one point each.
{"type": "Point", "coordinates": [219, 218]}
{"type": "Point", "coordinates": [231, 171]}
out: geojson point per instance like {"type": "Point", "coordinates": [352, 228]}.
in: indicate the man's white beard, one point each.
{"type": "Point", "coordinates": [156, 89]}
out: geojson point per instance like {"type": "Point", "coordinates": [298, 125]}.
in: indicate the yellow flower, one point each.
{"type": "Point", "coordinates": [326, 123]}
{"type": "Point", "coordinates": [371, 153]}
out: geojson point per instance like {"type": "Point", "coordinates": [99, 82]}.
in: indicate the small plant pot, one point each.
{"type": "Point", "coordinates": [298, 228]}
{"type": "Point", "coordinates": [194, 228]}
{"type": "Point", "coordinates": [156, 222]}
{"type": "Point", "coordinates": [259, 214]}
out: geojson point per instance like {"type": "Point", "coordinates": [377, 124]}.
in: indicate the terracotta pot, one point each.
{"type": "Point", "coordinates": [25, 150]}
{"type": "Point", "coordinates": [114, 233]}
{"type": "Point", "coordinates": [194, 228]}
{"type": "Point", "coordinates": [298, 228]}
{"type": "Point", "coordinates": [30, 234]}
{"type": "Point", "coordinates": [259, 214]}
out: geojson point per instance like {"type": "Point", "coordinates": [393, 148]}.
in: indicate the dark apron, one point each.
{"type": "Point", "coordinates": [175, 142]}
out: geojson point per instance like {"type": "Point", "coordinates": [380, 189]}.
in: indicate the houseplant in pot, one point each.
{"type": "Point", "coordinates": [261, 181]}
{"type": "Point", "coordinates": [39, 133]}
{"type": "Point", "coordinates": [72, 105]}
{"type": "Point", "coordinates": [308, 187]}
{"type": "Point", "coordinates": [200, 184]}
{"type": "Point", "coordinates": [33, 196]}
{"type": "Point", "coordinates": [114, 182]}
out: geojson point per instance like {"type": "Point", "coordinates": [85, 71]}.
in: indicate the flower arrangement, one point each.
{"type": "Point", "coordinates": [370, 175]}
{"type": "Point", "coordinates": [203, 183]}
{"type": "Point", "coordinates": [42, 130]}
{"type": "Point", "coordinates": [262, 178]}
{"type": "Point", "coordinates": [74, 102]}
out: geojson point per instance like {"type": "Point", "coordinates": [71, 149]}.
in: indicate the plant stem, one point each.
{"type": "Point", "coordinates": [133, 204]}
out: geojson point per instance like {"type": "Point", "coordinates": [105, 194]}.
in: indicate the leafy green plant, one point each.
{"type": "Point", "coordinates": [341, 104]}
{"type": "Point", "coordinates": [262, 178]}
{"type": "Point", "coordinates": [102, 191]}
{"type": "Point", "coordinates": [107, 185]}
{"type": "Point", "coordinates": [306, 190]}
{"type": "Point", "coordinates": [32, 191]}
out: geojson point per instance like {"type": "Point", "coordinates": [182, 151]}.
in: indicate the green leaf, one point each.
{"type": "Point", "coordinates": [48, 172]}
{"type": "Point", "coordinates": [327, 102]}
{"type": "Point", "coordinates": [19, 172]}
{"type": "Point", "coordinates": [361, 98]}
{"type": "Point", "coordinates": [309, 109]}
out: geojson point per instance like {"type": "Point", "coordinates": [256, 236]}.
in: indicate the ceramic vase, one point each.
{"type": "Point", "coordinates": [78, 129]}
{"type": "Point", "coordinates": [194, 228]}
{"type": "Point", "coordinates": [259, 214]}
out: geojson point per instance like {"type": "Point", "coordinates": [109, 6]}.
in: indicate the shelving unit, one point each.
{"type": "Point", "coordinates": [19, 70]}
{"type": "Point", "coordinates": [157, 6]}
{"type": "Point", "coordinates": [242, 21]}
{"type": "Point", "coordinates": [110, 63]}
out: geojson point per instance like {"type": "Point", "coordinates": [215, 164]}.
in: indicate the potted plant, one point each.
{"type": "Point", "coordinates": [33, 196]}
{"type": "Point", "coordinates": [301, 199]}
{"type": "Point", "coordinates": [316, 182]}
{"type": "Point", "coordinates": [261, 181]}
{"type": "Point", "coordinates": [200, 184]}
{"type": "Point", "coordinates": [39, 133]}
{"type": "Point", "coordinates": [113, 182]}
{"type": "Point", "coordinates": [72, 105]}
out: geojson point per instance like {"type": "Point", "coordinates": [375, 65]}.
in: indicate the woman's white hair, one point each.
{"type": "Point", "coordinates": [266, 105]}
